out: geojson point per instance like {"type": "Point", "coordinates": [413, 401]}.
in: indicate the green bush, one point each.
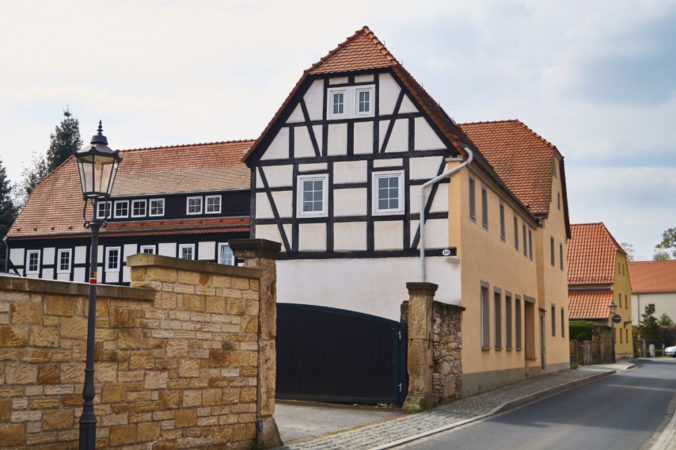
{"type": "Point", "coordinates": [580, 330]}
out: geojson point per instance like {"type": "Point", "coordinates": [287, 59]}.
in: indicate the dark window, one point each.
{"type": "Point", "coordinates": [497, 299]}
{"type": "Point", "coordinates": [553, 320]}
{"type": "Point", "coordinates": [561, 256]}
{"type": "Point", "coordinates": [508, 320]}
{"type": "Point", "coordinates": [502, 221]}
{"type": "Point", "coordinates": [530, 244]}
{"type": "Point", "coordinates": [472, 199]}
{"type": "Point", "coordinates": [484, 207]}
{"type": "Point", "coordinates": [563, 321]}
{"type": "Point", "coordinates": [525, 247]}
{"type": "Point", "coordinates": [516, 233]}
{"type": "Point", "coordinates": [485, 318]}
{"type": "Point", "coordinates": [517, 321]}
{"type": "Point", "coordinates": [551, 250]}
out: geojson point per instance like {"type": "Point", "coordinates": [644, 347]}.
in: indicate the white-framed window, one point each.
{"type": "Point", "coordinates": [156, 207]}
{"type": "Point", "coordinates": [150, 249]}
{"type": "Point", "coordinates": [193, 205]}
{"type": "Point", "coordinates": [138, 208]}
{"type": "Point", "coordinates": [350, 101]}
{"type": "Point", "coordinates": [225, 254]}
{"type": "Point", "coordinates": [186, 251]}
{"type": "Point", "coordinates": [313, 195]}
{"type": "Point", "coordinates": [388, 192]}
{"type": "Point", "coordinates": [33, 261]}
{"type": "Point", "coordinates": [63, 260]}
{"type": "Point", "coordinates": [103, 210]}
{"type": "Point", "coordinates": [113, 259]}
{"type": "Point", "coordinates": [337, 106]}
{"type": "Point", "coordinates": [121, 208]}
{"type": "Point", "coordinates": [364, 101]}
{"type": "Point", "coordinates": [212, 204]}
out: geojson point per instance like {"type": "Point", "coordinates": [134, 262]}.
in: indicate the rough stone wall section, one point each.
{"type": "Point", "coordinates": [446, 340]}
{"type": "Point", "coordinates": [176, 363]}
{"type": "Point", "coordinates": [601, 344]}
{"type": "Point", "coordinates": [447, 347]}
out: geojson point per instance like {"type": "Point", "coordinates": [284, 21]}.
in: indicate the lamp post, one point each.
{"type": "Point", "coordinates": [612, 307]}
{"type": "Point", "coordinates": [97, 166]}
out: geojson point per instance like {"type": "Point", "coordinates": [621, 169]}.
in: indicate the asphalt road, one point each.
{"type": "Point", "coordinates": [621, 411]}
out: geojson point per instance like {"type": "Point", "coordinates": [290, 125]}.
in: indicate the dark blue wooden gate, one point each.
{"type": "Point", "coordinates": [330, 354]}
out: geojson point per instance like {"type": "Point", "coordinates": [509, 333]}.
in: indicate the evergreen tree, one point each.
{"type": "Point", "coordinates": [7, 210]}
{"type": "Point", "coordinates": [31, 176]}
{"type": "Point", "coordinates": [665, 320]}
{"type": "Point", "coordinates": [668, 241]}
{"type": "Point", "coordinates": [649, 329]}
{"type": "Point", "coordinates": [64, 142]}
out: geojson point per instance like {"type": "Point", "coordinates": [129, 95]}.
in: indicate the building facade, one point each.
{"type": "Point", "coordinates": [182, 201]}
{"type": "Point", "coordinates": [598, 276]}
{"type": "Point", "coordinates": [653, 283]}
{"type": "Point", "coordinates": [336, 178]}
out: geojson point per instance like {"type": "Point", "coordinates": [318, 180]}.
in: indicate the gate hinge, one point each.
{"type": "Point", "coordinates": [400, 335]}
{"type": "Point", "coordinates": [400, 386]}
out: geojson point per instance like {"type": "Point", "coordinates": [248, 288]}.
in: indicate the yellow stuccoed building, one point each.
{"type": "Point", "coordinates": [597, 277]}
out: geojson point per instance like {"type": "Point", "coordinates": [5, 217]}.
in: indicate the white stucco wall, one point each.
{"type": "Point", "coordinates": [664, 302]}
{"type": "Point", "coordinates": [369, 285]}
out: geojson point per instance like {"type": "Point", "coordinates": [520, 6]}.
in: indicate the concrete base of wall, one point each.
{"type": "Point", "coordinates": [418, 402]}
{"type": "Point", "coordinates": [267, 432]}
{"type": "Point", "coordinates": [550, 368]}
{"type": "Point", "coordinates": [478, 382]}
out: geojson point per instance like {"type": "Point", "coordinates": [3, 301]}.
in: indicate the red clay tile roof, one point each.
{"type": "Point", "coordinates": [55, 206]}
{"type": "Point", "coordinates": [652, 276]}
{"type": "Point", "coordinates": [361, 51]}
{"type": "Point", "coordinates": [592, 253]}
{"type": "Point", "coordinates": [522, 158]}
{"type": "Point", "coordinates": [589, 304]}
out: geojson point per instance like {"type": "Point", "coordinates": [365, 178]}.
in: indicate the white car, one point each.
{"type": "Point", "coordinates": [670, 351]}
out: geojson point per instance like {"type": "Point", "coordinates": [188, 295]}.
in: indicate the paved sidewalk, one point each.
{"type": "Point", "coordinates": [667, 438]}
{"type": "Point", "coordinates": [400, 430]}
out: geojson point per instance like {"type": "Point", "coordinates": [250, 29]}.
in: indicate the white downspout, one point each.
{"type": "Point", "coordinates": [434, 180]}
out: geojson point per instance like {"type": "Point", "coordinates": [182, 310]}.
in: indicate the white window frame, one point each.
{"type": "Point", "coordinates": [187, 205]}
{"type": "Point", "coordinates": [99, 214]}
{"type": "Point", "coordinates": [371, 90]}
{"type": "Point", "coordinates": [120, 202]}
{"type": "Point", "coordinates": [182, 247]}
{"type": "Point", "coordinates": [27, 269]}
{"type": "Point", "coordinates": [324, 177]}
{"type": "Point", "coordinates": [150, 207]}
{"type": "Point", "coordinates": [399, 174]}
{"type": "Point", "coordinates": [206, 204]}
{"type": "Point", "coordinates": [109, 250]}
{"type": "Point", "coordinates": [346, 106]}
{"type": "Point", "coordinates": [60, 252]}
{"type": "Point", "coordinates": [222, 245]}
{"type": "Point", "coordinates": [148, 247]}
{"type": "Point", "coordinates": [145, 207]}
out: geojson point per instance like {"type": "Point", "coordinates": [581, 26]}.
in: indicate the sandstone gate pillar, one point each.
{"type": "Point", "coordinates": [262, 254]}
{"type": "Point", "coordinates": [420, 351]}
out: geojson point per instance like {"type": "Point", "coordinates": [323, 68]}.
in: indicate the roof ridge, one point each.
{"type": "Point", "coordinates": [552, 146]}
{"type": "Point", "coordinates": [198, 144]}
{"type": "Point", "coordinates": [663, 261]}
{"type": "Point", "coordinates": [480, 122]}
{"type": "Point", "coordinates": [363, 30]}
{"type": "Point", "coordinates": [586, 223]}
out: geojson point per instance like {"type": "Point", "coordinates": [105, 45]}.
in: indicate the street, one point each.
{"type": "Point", "coordinates": [621, 411]}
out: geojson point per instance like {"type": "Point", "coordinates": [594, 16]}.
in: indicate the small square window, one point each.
{"type": "Point", "coordinates": [388, 190]}
{"type": "Point", "coordinates": [103, 210]}
{"type": "Point", "coordinates": [113, 259]}
{"type": "Point", "coordinates": [186, 251]}
{"type": "Point", "coordinates": [194, 205]}
{"type": "Point", "coordinates": [156, 207]}
{"type": "Point", "coordinates": [148, 249]}
{"type": "Point", "coordinates": [121, 209]}
{"type": "Point", "coordinates": [63, 261]}
{"type": "Point", "coordinates": [312, 192]}
{"type": "Point", "coordinates": [225, 254]}
{"type": "Point", "coordinates": [213, 204]}
{"type": "Point", "coordinates": [138, 208]}
{"type": "Point", "coordinates": [33, 261]}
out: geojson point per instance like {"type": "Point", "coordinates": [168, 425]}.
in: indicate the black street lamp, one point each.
{"type": "Point", "coordinates": [612, 307]}
{"type": "Point", "coordinates": [97, 166]}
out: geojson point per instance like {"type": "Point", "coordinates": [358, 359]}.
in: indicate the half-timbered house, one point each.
{"type": "Point", "coordinates": [336, 177]}
{"type": "Point", "coordinates": [182, 201]}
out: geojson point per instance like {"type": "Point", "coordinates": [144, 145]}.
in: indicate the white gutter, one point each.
{"type": "Point", "coordinates": [435, 180]}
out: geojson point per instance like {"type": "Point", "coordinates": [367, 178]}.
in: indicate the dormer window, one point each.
{"type": "Point", "coordinates": [156, 207]}
{"type": "Point", "coordinates": [103, 210]}
{"type": "Point", "coordinates": [194, 205]}
{"type": "Point", "coordinates": [121, 209]}
{"type": "Point", "coordinates": [213, 204]}
{"type": "Point", "coordinates": [138, 208]}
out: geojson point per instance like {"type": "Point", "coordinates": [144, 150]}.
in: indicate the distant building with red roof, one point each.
{"type": "Point", "coordinates": [653, 283]}
{"type": "Point", "coordinates": [597, 277]}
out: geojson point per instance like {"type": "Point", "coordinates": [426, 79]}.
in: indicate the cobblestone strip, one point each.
{"type": "Point", "coordinates": [384, 433]}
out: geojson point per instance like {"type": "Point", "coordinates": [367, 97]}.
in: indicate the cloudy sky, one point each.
{"type": "Point", "coordinates": [597, 79]}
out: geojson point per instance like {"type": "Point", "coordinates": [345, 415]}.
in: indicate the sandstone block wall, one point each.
{"type": "Point", "coordinates": [176, 361]}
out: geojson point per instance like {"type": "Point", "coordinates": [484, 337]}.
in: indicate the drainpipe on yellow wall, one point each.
{"type": "Point", "coordinates": [435, 180]}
